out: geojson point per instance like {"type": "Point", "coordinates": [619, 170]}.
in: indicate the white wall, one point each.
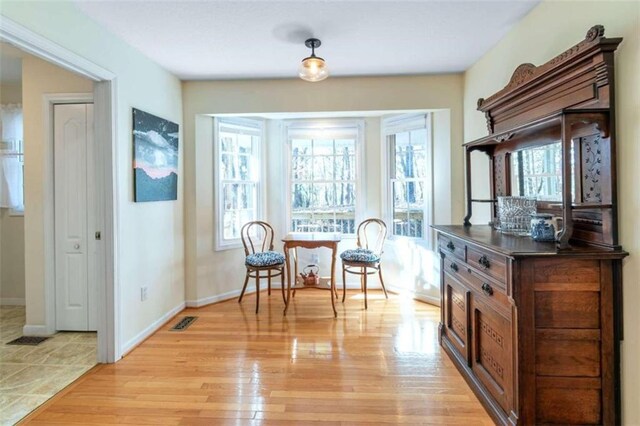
{"type": "Point", "coordinates": [214, 274]}
{"type": "Point", "coordinates": [546, 31]}
{"type": "Point", "coordinates": [11, 230]}
{"type": "Point", "coordinates": [150, 243]}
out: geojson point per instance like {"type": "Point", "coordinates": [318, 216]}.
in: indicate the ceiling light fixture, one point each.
{"type": "Point", "coordinates": [313, 68]}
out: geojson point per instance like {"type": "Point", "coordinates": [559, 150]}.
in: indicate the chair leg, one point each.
{"type": "Point", "coordinates": [382, 282]}
{"type": "Point", "coordinates": [344, 283]}
{"type": "Point", "coordinates": [257, 291]}
{"type": "Point", "coordinates": [365, 286]}
{"type": "Point", "coordinates": [362, 271]}
{"type": "Point", "coordinates": [269, 282]}
{"type": "Point", "coordinates": [244, 287]}
{"type": "Point", "coordinates": [284, 297]}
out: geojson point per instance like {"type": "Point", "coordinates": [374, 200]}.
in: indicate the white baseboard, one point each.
{"type": "Point", "coordinates": [221, 297]}
{"type": "Point", "coordinates": [152, 328]}
{"type": "Point", "coordinates": [435, 301]}
{"type": "Point", "coordinates": [199, 303]}
{"type": "Point", "coordinates": [11, 301]}
{"type": "Point", "coordinates": [36, 330]}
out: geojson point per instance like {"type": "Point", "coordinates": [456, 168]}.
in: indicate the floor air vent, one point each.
{"type": "Point", "coordinates": [183, 323]}
{"type": "Point", "coordinates": [28, 340]}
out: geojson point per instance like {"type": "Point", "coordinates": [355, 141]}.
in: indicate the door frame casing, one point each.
{"type": "Point", "coordinates": [105, 130]}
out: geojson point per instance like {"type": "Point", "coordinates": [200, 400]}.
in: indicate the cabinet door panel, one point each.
{"type": "Point", "coordinates": [456, 316]}
{"type": "Point", "coordinates": [492, 355]}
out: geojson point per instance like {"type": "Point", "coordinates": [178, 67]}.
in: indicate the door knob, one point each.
{"type": "Point", "coordinates": [76, 246]}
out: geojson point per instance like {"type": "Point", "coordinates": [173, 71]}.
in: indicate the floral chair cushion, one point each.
{"type": "Point", "coordinates": [267, 258]}
{"type": "Point", "coordinates": [359, 255]}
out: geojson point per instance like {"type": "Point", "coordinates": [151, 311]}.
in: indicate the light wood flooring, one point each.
{"type": "Point", "coordinates": [232, 366]}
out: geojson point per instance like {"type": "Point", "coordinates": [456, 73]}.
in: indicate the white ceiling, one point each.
{"type": "Point", "coordinates": [265, 39]}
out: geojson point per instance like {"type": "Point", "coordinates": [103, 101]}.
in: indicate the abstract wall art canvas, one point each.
{"type": "Point", "coordinates": [155, 157]}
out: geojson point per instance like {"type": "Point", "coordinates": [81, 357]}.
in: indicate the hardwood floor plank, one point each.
{"type": "Point", "coordinates": [382, 365]}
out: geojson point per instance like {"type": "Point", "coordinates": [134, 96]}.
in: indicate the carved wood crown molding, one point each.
{"type": "Point", "coordinates": [527, 72]}
{"type": "Point", "coordinates": [537, 91]}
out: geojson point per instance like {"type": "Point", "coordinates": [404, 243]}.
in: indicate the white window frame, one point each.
{"type": "Point", "coordinates": [399, 124]}
{"type": "Point", "coordinates": [312, 125]}
{"type": "Point", "coordinates": [255, 125]}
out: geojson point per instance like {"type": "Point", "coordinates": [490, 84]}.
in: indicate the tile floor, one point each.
{"type": "Point", "coordinates": [29, 375]}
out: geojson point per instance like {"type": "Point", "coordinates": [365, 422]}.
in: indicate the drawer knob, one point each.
{"type": "Point", "coordinates": [454, 267]}
{"type": "Point", "coordinates": [487, 289]}
{"type": "Point", "coordinates": [450, 246]}
{"type": "Point", "coordinates": [484, 261]}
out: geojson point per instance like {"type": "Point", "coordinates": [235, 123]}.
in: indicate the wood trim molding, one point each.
{"type": "Point", "coordinates": [567, 73]}
{"type": "Point", "coordinates": [50, 51]}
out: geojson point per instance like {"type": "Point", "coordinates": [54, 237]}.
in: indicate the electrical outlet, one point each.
{"type": "Point", "coordinates": [144, 293]}
{"type": "Point", "coordinates": [315, 259]}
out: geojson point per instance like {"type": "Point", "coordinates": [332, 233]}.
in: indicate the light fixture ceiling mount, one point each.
{"type": "Point", "coordinates": [313, 68]}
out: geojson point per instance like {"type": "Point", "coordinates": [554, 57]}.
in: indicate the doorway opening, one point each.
{"type": "Point", "coordinates": [48, 299]}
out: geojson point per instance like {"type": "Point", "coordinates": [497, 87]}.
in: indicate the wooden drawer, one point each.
{"type": "Point", "coordinates": [488, 262]}
{"type": "Point", "coordinates": [489, 289]}
{"type": "Point", "coordinates": [452, 246]}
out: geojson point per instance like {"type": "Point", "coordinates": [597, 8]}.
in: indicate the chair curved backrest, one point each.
{"type": "Point", "coordinates": [257, 237]}
{"type": "Point", "coordinates": [371, 235]}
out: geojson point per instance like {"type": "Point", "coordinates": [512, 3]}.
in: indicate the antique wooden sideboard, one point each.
{"type": "Point", "coordinates": [535, 327]}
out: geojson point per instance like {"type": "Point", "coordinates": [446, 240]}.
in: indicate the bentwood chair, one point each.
{"type": "Point", "coordinates": [365, 260]}
{"type": "Point", "coordinates": [257, 239]}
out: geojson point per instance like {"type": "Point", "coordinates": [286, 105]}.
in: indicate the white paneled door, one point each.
{"type": "Point", "coordinates": [74, 242]}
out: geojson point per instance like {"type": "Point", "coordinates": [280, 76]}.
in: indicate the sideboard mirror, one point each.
{"type": "Point", "coordinates": [537, 172]}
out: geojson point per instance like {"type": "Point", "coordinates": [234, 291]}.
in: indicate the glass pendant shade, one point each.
{"type": "Point", "coordinates": [313, 69]}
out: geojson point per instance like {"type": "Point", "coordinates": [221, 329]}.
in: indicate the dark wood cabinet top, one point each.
{"type": "Point", "coordinates": [514, 246]}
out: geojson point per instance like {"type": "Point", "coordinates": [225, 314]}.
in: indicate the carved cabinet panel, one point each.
{"type": "Point", "coordinates": [456, 315]}
{"type": "Point", "coordinates": [491, 351]}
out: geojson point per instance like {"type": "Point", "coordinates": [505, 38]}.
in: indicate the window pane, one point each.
{"type": "Point", "coordinates": [345, 194]}
{"type": "Point", "coordinates": [244, 144]}
{"type": "Point", "coordinates": [345, 167]}
{"type": "Point", "coordinates": [301, 168]}
{"type": "Point", "coordinates": [301, 196]}
{"type": "Point", "coordinates": [402, 139]}
{"type": "Point", "coordinates": [322, 146]}
{"type": "Point", "coordinates": [245, 196]}
{"type": "Point", "coordinates": [301, 146]}
{"type": "Point", "coordinates": [323, 167]}
{"type": "Point", "coordinates": [231, 196]}
{"type": "Point", "coordinates": [231, 225]}
{"type": "Point", "coordinates": [406, 162]}
{"type": "Point", "coordinates": [323, 196]}
{"type": "Point", "coordinates": [415, 194]}
{"type": "Point", "coordinates": [244, 167]}
{"type": "Point", "coordinates": [345, 147]}
{"type": "Point", "coordinates": [228, 169]}
{"type": "Point", "coordinates": [246, 216]}
{"type": "Point", "coordinates": [408, 223]}
{"type": "Point", "coordinates": [399, 195]}
{"type": "Point", "coordinates": [228, 142]}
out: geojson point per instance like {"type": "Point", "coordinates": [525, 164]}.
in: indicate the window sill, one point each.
{"type": "Point", "coordinates": [232, 245]}
{"type": "Point", "coordinates": [16, 213]}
